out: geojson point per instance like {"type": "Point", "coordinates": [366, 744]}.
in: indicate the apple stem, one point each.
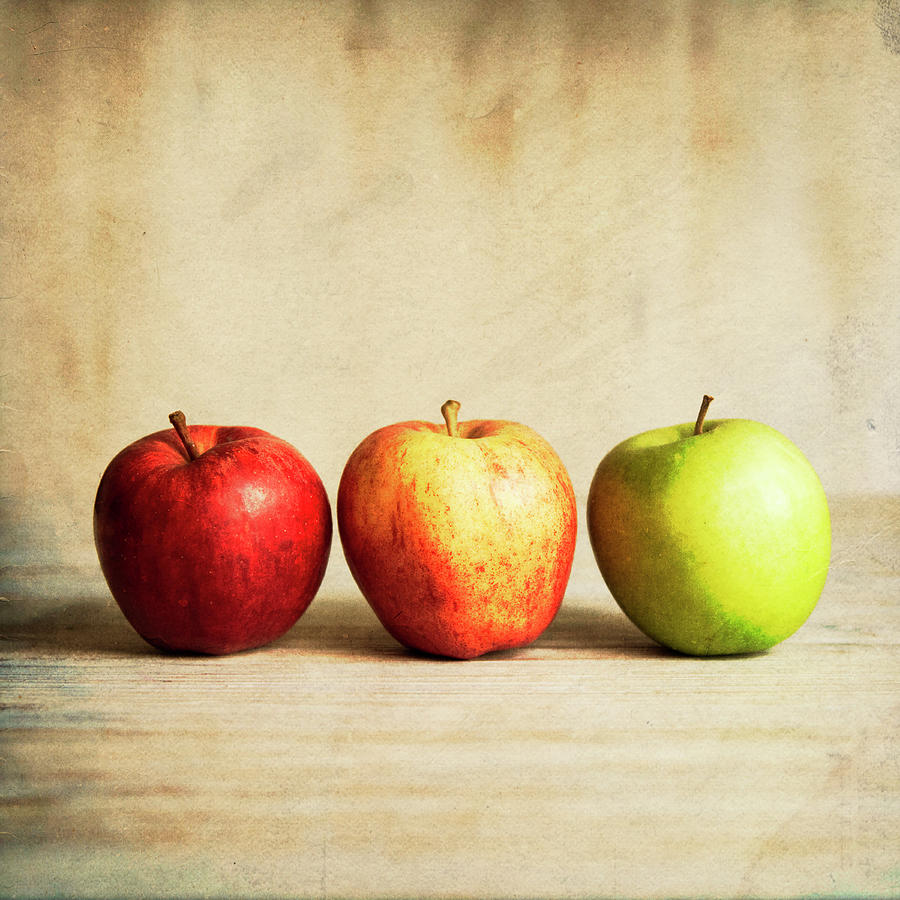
{"type": "Point", "coordinates": [704, 406]}
{"type": "Point", "coordinates": [178, 421]}
{"type": "Point", "coordinates": [449, 411]}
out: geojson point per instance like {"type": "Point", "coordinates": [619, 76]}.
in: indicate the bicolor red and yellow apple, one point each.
{"type": "Point", "coordinates": [460, 535]}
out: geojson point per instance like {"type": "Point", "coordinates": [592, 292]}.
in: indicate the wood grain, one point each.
{"type": "Point", "coordinates": [335, 764]}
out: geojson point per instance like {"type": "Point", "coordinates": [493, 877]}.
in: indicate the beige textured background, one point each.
{"type": "Point", "coordinates": [322, 218]}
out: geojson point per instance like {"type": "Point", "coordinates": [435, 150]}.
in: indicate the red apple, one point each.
{"type": "Point", "coordinates": [460, 537]}
{"type": "Point", "coordinates": [212, 540]}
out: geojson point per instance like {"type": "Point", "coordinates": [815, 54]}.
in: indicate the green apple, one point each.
{"type": "Point", "coordinates": [712, 540]}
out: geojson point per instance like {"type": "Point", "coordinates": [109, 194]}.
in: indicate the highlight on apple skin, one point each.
{"type": "Point", "coordinates": [212, 539]}
{"type": "Point", "coordinates": [712, 540]}
{"type": "Point", "coordinates": [461, 537]}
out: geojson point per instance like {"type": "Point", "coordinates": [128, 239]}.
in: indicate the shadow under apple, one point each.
{"type": "Point", "coordinates": [335, 624]}
{"type": "Point", "coordinates": [344, 624]}
{"type": "Point", "coordinates": [80, 625]}
{"type": "Point", "coordinates": [340, 624]}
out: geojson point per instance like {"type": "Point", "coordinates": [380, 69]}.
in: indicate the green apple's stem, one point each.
{"type": "Point", "coordinates": [178, 421]}
{"type": "Point", "coordinates": [449, 411]}
{"type": "Point", "coordinates": [704, 406]}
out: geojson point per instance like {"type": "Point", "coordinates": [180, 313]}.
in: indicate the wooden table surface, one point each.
{"type": "Point", "coordinates": [334, 764]}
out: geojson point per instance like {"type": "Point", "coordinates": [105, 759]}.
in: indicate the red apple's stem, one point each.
{"type": "Point", "coordinates": [449, 411]}
{"type": "Point", "coordinates": [704, 406]}
{"type": "Point", "coordinates": [178, 421]}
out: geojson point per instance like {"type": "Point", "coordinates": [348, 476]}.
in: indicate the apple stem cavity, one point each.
{"type": "Point", "coordinates": [180, 424]}
{"type": "Point", "coordinates": [449, 411]}
{"type": "Point", "coordinates": [704, 406]}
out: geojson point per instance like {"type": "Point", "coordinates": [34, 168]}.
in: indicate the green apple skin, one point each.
{"type": "Point", "coordinates": [716, 543]}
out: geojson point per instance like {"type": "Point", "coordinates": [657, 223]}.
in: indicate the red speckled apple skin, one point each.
{"type": "Point", "coordinates": [213, 555]}
{"type": "Point", "coordinates": [461, 545]}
